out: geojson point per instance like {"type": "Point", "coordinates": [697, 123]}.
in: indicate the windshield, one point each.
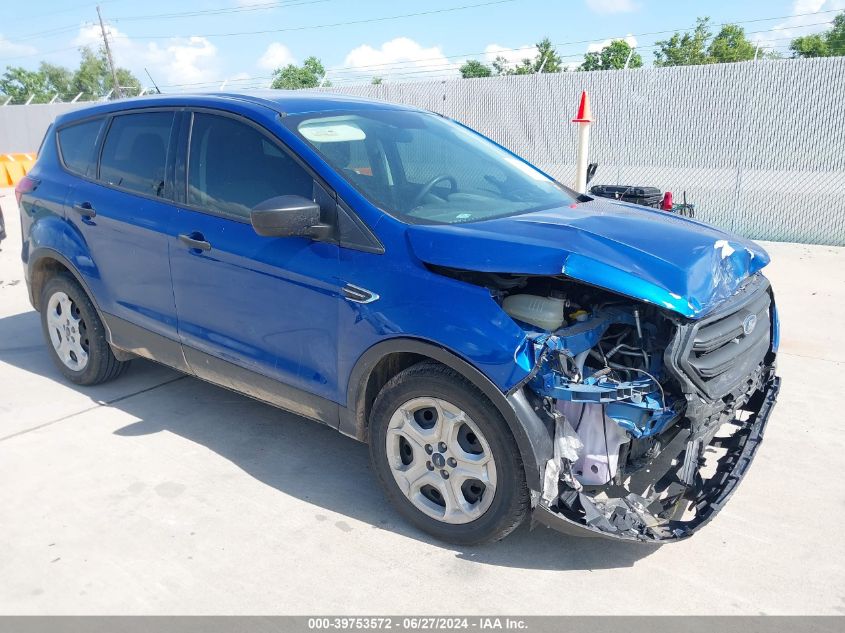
{"type": "Point", "coordinates": [424, 169]}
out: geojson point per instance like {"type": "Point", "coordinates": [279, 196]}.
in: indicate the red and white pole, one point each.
{"type": "Point", "coordinates": [584, 118]}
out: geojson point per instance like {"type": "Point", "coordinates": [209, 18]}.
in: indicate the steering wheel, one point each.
{"type": "Point", "coordinates": [427, 187]}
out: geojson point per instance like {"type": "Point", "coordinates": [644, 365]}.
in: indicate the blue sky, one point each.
{"type": "Point", "coordinates": [201, 51]}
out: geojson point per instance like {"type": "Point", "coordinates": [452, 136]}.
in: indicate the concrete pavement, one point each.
{"type": "Point", "coordinates": [160, 494]}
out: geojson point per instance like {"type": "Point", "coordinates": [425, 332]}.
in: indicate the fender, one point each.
{"type": "Point", "coordinates": [532, 437]}
{"type": "Point", "coordinates": [53, 236]}
{"type": "Point", "coordinates": [47, 252]}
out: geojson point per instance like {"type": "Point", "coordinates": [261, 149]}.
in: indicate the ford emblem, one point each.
{"type": "Point", "coordinates": [748, 324]}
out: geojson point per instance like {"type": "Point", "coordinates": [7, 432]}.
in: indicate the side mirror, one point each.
{"type": "Point", "coordinates": [289, 216]}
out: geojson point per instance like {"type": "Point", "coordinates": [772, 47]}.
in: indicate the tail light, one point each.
{"type": "Point", "coordinates": [666, 203]}
{"type": "Point", "coordinates": [25, 185]}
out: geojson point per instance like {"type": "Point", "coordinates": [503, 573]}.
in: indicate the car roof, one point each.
{"type": "Point", "coordinates": [281, 101]}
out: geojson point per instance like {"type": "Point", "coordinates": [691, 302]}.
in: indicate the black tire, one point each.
{"type": "Point", "coordinates": [102, 365]}
{"type": "Point", "coordinates": [511, 502]}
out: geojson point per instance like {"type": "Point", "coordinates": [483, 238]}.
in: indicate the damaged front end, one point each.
{"type": "Point", "coordinates": [654, 417]}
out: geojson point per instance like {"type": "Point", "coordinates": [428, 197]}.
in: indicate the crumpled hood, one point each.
{"type": "Point", "coordinates": [658, 257]}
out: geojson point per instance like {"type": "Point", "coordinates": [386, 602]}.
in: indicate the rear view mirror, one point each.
{"type": "Point", "coordinates": [289, 216]}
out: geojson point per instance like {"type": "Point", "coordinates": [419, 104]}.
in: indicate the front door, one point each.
{"type": "Point", "coordinates": [249, 307]}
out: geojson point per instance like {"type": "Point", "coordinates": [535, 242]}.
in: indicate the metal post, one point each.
{"type": "Point", "coordinates": [628, 60]}
{"type": "Point", "coordinates": [28, 101]}
{"type": "Point", "coordinates": [8, 99]}
{"type": "Point", "coordinates": [76, 98]}
{"type": "Point", "coordinates": [584, 119]}
{"type": "Point", "coordinates": [582, 158]}
{"type": "Point", "coordinates": [108, 55]}
{"type": "Point", "coordinates": [55, 96]}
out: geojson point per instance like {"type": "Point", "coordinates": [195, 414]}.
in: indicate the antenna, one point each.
{"type": "Point", "coordinates": [152, 80]}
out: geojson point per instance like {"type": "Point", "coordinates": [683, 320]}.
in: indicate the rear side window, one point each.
{"type": "Point", "coordinates": [232, 167]}
{"type": "Point", "coordinates": [135, 152]}
{"type": "Point", "coordinates": [78, 145]}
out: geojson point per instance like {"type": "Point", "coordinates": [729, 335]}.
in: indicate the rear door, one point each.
{"type": "Point", "coordinates": [124, 213]}
{"type": "Point", "coordinates": [245, 302]}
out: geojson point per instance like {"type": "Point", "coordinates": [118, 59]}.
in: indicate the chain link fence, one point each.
{"type": "Point", "coordinates": [758, 147]}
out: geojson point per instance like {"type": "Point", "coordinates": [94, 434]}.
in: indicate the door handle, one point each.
{"type": "Point", "coordinates": [195, 240]}
{"type": "Point", "coordinates": [84, 209]}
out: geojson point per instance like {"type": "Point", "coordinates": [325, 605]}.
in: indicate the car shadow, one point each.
{"type": "Point", "coordinates": [296, 457]}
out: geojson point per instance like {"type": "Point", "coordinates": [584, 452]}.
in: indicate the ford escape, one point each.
{"type": "Point", "coordinates": [507, 348]}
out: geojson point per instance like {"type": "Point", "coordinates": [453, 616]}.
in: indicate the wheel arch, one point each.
{"type": "Point", "coordinates": [44, 263]}
{"type": "Point", "coordinates": [384, 360]}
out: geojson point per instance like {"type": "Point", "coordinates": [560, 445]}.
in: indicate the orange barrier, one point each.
{"type": "Point", "coordinates": [13, 167]}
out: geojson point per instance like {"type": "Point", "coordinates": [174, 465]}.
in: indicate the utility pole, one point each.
{"type": "Point", "coordinates": [117, 89]}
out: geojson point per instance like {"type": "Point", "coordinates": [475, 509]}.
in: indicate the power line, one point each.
{"type": "Point", "coordinates": [326, 26]}
{"type": "Point", "coordinates": [413, 66]}
{"type": "Point", "coordinates": [353, 74]}
{"type": "Point", "coordinates": [221, 11]}
{"type": "Point", "coordinates": [460, 8]}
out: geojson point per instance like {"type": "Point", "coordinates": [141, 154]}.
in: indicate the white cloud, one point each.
{"type": "Point", "coordinates": [513, 55]}
{"type": "Point", "coordinates": [11, 49]}
{"type": "Point", "coordinates": [276, 56]}
{"type": "Point", "coordinates": [612, 6]}
{"type": "Point", "coordinates": [597, 47]}
{"type": "Point", "coordinates": [800, 24]}
{"type": "Point", "coordinates": [175, 62]}
{"type": "Point", "coordinates": [401, 58]}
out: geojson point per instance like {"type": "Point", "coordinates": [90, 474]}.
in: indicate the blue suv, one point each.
{"type": "Point", "coordinates": [506, 346]}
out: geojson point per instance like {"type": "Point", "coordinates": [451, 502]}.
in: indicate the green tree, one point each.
{"type": "Point", "coordinates": [474, 68]}
{"type": "Point", "coordinates": [809, 46]}
{"type": "Point", "coordinates": [293, 77]}
{"type": "Point", "coordinates": [730, 45]}
{"type": "Point", "coordinates": [612, 57]}
{"type": "Point", "coordinates": [377, 81]}
{"type": "Point", "coordinates": [687, 49]}
{"type": "Point", "coordinates": [546, 60]}
{"type": "Point", "coordinates": [93, 78]}
{"type": "Point", "coordinates": [19, 84]}
{"type": "Point", "coordinates": [57, 79]}
{"type": "Point", "coordinates": [828, 44]}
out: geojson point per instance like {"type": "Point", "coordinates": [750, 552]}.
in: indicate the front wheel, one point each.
{"type": "Point", "coordinates": [445, 457]}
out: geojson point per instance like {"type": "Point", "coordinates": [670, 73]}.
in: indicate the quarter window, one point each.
{"type": "Point", "coordinates": [232, 167]}
{"type": "Point", "coordinates": [78, 145]}
{"type": "Point", "coordinates": [135, 152]}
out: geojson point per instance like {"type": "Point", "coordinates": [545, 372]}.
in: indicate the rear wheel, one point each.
{"type": "Point", "coordinates": [75, 335]}
{"type": "Point", "coordinates": [446, 458]}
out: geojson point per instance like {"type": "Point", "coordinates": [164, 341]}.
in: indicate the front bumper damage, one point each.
{"type": "Point", "coordinates": [672, 506]}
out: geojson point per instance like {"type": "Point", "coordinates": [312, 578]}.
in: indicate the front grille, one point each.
{"type": "Point", "coordinates": [720, 352]}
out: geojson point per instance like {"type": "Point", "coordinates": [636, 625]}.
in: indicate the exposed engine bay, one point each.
{"type": "Point", "coordinates": [653, 416]}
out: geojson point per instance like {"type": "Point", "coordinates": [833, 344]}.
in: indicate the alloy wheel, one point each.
{"type": "Point", "coordinates": [441, 460]}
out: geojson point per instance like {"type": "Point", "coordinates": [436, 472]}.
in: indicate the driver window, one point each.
{"type": "Point", "coordinates": [232, 167]}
